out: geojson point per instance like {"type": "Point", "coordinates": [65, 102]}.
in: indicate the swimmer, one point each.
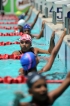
{"type": "Point", "coordinates": [22, 22]}
{"type": "Point", "coordinates": [27, 13]}
{"type": "Point", "coordinates": [20, 25]}
{"type": "Point", "coordinates": [38, 89]}
{"type": "Point", "coordinates": [34, 21]}
{"type": "Point", "coordinates": [21, 17]}
{"type": "Point", "coordinates": [26, 45]}
{"type": "Point", "coordinates": [27, 29]}
{"type": "Point", "coordinates": [51, 59]}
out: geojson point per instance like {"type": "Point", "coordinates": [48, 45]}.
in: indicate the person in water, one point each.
{"type": "Point", "coordinates": [21, 23]}
{"type": "Point", "coordinates": [26, 14]}
{"type": "Point", "coordinates": [27, 30]}
{"type": "Point", "coordinates": [25, 46]}
{"type": "Point", "coordinates": [38, 89]}
{"type": "Point", "coordinates": [22, 19]}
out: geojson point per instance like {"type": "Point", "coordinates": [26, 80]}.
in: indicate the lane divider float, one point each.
{"type": "Point", "coordinates": [9, 17]}
{"type": "Point", "coordinates": [8, 28]}
{"type": "Point", "coordinates": [11, 43]}
{"type": "Point", "coordinates": [12, 34]}
{"type": "Point", "coordinates": [22, 79]}
{"type": "Point", "coordinates": [8, 43]}
{"type": "Point", "coordinates": [8, 22]}
{"type": "Point", "coordinates": [9, 56]}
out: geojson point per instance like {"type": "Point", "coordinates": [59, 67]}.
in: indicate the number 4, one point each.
{"type": "Point", "coordinates": [51, 10]}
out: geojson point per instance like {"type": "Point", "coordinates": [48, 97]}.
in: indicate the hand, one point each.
{"type": "Point", "coordinates": [65, 29]}
{"type": "Point", "coordinates": [19, 95]}
{"type": "Point", "coordinates": [64, 32]}
{"type": "Point", "coordinates": [68, 75]}
{"type": "Point", "coordinates": [56, 30]}
{"type": "Point", "coordinates": [43, 24]}
{"type": "Point", "coordinates": [21, 71]}
{"type": "Point", "coordinates": [39, 72]}
{"type": "Point", "coordinates": [39, 12]}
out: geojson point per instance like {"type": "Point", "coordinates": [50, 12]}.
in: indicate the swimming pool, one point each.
{"type": "Point", "coordinates": [7, 94]}
{"type": "Point", "coordinates": [7, 69]}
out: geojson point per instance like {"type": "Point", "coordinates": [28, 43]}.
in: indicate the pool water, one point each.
{"type": "Point", "coordinates": [11, 67]}
{"type": "Point", "coordinates": [7, 68]}
{"type": "Point", "coordinates": [5, 31]}
{"type": "Point", "coordinates": [31, 18]}
{"type": "Point", "coordinates": [8, 49]}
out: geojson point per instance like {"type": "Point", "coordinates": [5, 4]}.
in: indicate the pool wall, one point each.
{"type": "Point", "coordinates": [64, 52]}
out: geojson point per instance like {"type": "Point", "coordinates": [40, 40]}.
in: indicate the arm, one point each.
{"type": "Point", "coordinates": [30, 10]}
{"type": "Point", "coordinates": [53, 54]}
{"type": "Point", "coordinates": [29, 15]}
{"type": "Point", "coordinates": [18, 96]}
{"type": "Point", "coordinates": [41, 32]}
{"type": "Point", "coordinates": [21, 71]}
{"type": "Point", "coordinates": [26, 13]}
{"type": "Point", "coordinates": [52, 43]}
{"type": "Point", "coordinates": [41, 51]}
{"type": "Point", "coordinates": [32, 25]}
{"type": "Point", "coordinates": [40, 35]}
{"type": "Point", "coordinates": [56, 93]}
{"type": "Point", "coordinates": [16, 53]}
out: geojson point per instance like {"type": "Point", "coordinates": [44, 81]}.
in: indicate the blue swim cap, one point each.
{"type": "Point", "coordinates": [26, 26]}
{"type": "Point", "coordinates": [21, 17]}
{"type": "Point", "coordinates": [33, 77]}
{"type": "Point", "coordinates": [28, 61]}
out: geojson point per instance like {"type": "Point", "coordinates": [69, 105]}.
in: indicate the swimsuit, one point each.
{"type": "Point", "coordinates": [33, 104]}
{"type": "Point", "coordinates": [30, 50]}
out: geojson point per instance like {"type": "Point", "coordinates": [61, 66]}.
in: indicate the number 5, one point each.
{"type": "Point", "coordinates": [59, 13]}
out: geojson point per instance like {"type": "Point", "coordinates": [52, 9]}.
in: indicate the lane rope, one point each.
{"type": "Point", "coordinates": [22, 79]}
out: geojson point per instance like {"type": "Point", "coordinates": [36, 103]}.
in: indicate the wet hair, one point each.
{"type": "Point", "coordinates": [30, 70]}
{"type": "Point", "coordinates": [21, 30]}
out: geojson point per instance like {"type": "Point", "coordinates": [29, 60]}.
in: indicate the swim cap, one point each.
{"type": "Point", "coordinates": [26, 37]}
{"type": "Point", "coordinates": [68, 14]}
{"type": "Point", "coordinates": [21, 17]}
{"type": "Point", "coordinates": [26, 26]}
{"type": "Point", "coordinates": [28, 61]}
{"type": "Point", "coordinates": [33, 77]}
{"type": "Point", "coordinates": [21, 22]}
